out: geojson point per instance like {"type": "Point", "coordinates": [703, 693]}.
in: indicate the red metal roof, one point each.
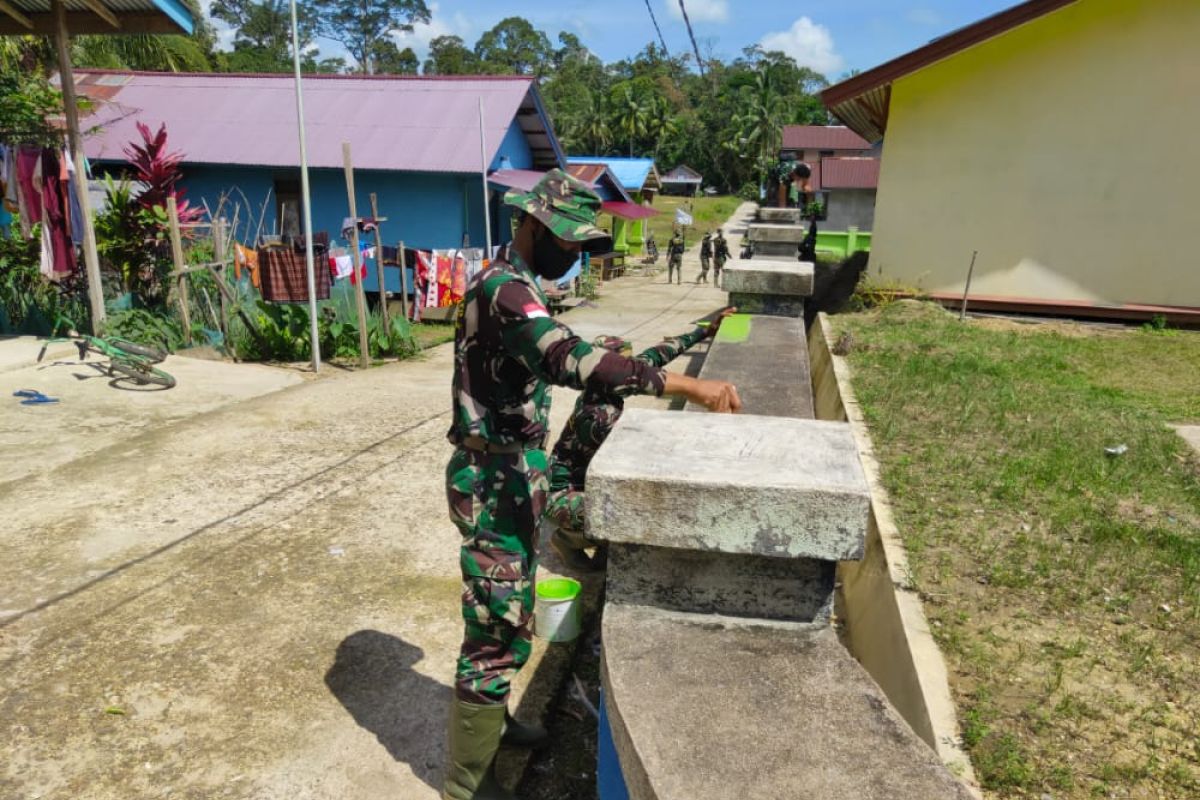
{"type": "Point", "coordinates": [627, 210]}
{"type": "Point", "coordinates": [822, 137]}
{"type": "Point", "coordinates": [392, 122]}
{"type": "Point", "coordinates": [862, 101]}
{"type": "Point", "coordinates": [849, 173]}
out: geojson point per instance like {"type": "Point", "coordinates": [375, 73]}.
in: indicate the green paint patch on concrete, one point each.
{"type": "Point", "coordinates": [735, 328]}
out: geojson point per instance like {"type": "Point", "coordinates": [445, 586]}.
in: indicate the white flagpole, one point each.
{"type": "Point", "coordinates": [304, 195]}
{"type": "Point", "coordinates": [483, 168]}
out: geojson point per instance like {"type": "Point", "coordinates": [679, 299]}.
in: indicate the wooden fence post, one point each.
{"type": "Point", "coordinates": [360, 296]}
{"type": "Point", "coordinates": [404, 281]}
{"type": "Point", "coordinates": [383, 306]}
{"type": "Point", "coordinates": [181, 288]}
{"type": "Point", "coordinates": [219, 258]}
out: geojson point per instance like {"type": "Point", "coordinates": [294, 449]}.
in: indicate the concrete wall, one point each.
{"type": "Point", "coordinates": [851, 207]}
{"type": "Point", "coordinates": [1057, 150]}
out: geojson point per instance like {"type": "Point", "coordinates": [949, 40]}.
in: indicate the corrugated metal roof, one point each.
{"type": "Point", "coordinates": [634, 174]}
{"type": "Point", "coordinates": [849, 173]}
{"type": "Point", "coordinates": [682, 174]}
{"type": "Point", "coordinates": [392, 122]}
{"type": "Point", "coordinates": [600, 178]}
{"type": "Point", "coordinates": [822, 137]}
{"type": "Point", "coordinates": [133, 16]}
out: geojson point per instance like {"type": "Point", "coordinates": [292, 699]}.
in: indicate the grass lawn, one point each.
{"type": "Point", "coordinates": [709, 213]}
{"type": "Point", "coordinates": [432, 334]}
{"type": "Point", "coordinates": [1062, 583]}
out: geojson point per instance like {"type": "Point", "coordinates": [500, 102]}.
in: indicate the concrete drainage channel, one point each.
{"type": "Point", "coordinates": [721, 672]}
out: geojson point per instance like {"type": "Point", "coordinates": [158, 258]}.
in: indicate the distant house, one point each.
{"type": "Point", "coordinates": [683, 180]}
{"type": "Point", "coordinates": [811, 143]}
{"type": "Point", "coordinates": [641, 180]}
{"type": "Point", "coordinates": [415, 144]}
{"type": "Point", "coordinates": [1011, 137]}
{"type": "Point", "coordinates": [847, 185]}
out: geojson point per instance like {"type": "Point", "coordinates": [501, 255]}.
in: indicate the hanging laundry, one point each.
{"type": "Point", "coordinates": [56, 210]}
{"type": "Point", "coordinates": [343, 266]}
{"type": "Point", "coordinates": [284, 273]}
{"type": "Point", "coordinates": [245, 258]}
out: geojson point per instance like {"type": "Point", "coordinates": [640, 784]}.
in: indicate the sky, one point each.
{"type": "Point", "coordinates": [831, 37]}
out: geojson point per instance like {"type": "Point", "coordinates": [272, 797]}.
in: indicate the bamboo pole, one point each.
{"type": "Point", "coordinates": [181, 288]}
{"type": "Point", "coordinates": [306, 196]}
{"type": "Point", "coordinates": [91, 257]}
{"type": "Point", "coordinates": [385, 316]}
{"type": "Point", "coordinates": [360, 294]}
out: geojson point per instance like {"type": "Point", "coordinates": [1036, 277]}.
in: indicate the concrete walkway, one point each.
{"type": "Point", "coordinates": [248, 598]}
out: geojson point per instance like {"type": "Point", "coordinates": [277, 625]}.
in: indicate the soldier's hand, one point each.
{"type": "Point", "coordinates": [719, 396]}
{"type": "Point", "coordinates": [715, 320]}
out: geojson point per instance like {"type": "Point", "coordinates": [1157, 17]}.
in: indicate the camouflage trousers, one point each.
{"type": "Point", "coordinates": [496, 501]}
{"type": "Point", "coordinates": [564, 507]}
{"type": "Point", "coordinates": [705, 262]}
{"type": "Point", "coordinates": [675, 267]}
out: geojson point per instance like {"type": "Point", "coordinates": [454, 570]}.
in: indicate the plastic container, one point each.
{"type": "Point", "coordinates": [556, 609]}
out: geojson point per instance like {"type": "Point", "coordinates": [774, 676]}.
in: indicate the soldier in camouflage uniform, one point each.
{"type": "Point", "coordinates": [507, 350]}
{"type": "Point", "coordinates": [720, 256]}
{"type": "Point", "coordinates": [706, 251]}
{"type": "Point", "coordinates": [675, 250]}
{"type": "Point", "coordinates": [596, 412]}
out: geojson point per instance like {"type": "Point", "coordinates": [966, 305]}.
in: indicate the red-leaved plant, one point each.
{"type": "Point", "coordinates": [159, 171]}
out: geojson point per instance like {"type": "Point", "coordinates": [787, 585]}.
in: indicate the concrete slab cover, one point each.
{"type": "Point", "coordinates": [767, 232]}
{"type": "Point", "coordinates": [698, 708]}
{"type": "Point", "coordinates": [781, 215]}
{"type": "Point", "coordinates": [768, 276]}
{"type": "Point", "coordinates": [771, 486]}
{"type": "Point", "coordinates": [766, 358]}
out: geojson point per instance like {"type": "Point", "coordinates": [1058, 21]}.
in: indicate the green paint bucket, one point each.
{"type": "Point", "coordinates": [556, 609]}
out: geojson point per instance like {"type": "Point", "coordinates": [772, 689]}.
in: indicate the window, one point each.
{"type": "Point", "coordinates": [289, 219]}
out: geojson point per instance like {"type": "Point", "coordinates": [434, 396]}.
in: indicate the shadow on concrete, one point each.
{"type": "Point", "coordinates": [373, 677]}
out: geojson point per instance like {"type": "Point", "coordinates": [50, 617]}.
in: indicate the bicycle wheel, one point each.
{"type": "Point", "coordinates": [142, 373]}
{"type": "Point", "coordinates": [133, 348]}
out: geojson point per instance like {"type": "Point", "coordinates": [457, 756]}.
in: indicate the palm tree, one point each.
{"type": "Point", "coordinates": [631, 112]}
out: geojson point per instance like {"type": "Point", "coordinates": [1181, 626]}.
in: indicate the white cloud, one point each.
{"type": "Point", "coordinates": [422, 34]}
{"type": "Point", "coordinates": [809, 43]}
{"type": "Point", "coordinates": [700, 10]}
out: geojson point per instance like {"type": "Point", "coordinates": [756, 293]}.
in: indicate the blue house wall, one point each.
{"type": "Point", "coordinates": [425, 210]}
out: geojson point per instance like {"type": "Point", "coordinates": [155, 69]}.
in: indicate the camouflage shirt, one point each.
{"type": "Point", "coordinates": [507, 349]}
{"type": "Point", "coordinates": [597, 411]}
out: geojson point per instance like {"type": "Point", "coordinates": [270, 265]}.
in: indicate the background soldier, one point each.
{"type": "Point", "coordinates": [720, 256]}
{"type": "Point", "coordinates": [596, 412]}
{"type": "Point", "coordinates": [706, 251]}
{"type": "Point", "coordinates": [507, 349]}
{"type": "Point", "coordinates": [675, 257]}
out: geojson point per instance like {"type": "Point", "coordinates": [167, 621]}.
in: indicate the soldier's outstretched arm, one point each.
{"type": "Point", "coordinates": [552, 352]}
{"type": "Point", "coordinates": [672, 347]}
{"type": "Point", "coordinates": [718, 396]}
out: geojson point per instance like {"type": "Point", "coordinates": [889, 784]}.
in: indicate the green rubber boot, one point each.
{"type": "Point", "coordinates": [518, 734]}
{"type": "Point", "coordinates": [475, 732]}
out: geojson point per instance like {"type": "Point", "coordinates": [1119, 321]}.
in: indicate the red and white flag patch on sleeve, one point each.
{"type": "Point", "coordinates": [535, 310]}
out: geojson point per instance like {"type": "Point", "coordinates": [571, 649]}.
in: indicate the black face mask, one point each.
{"type": "Point", "coordinates": [549, 260]}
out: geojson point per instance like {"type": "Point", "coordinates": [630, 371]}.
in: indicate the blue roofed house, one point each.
{"type": "Point", "coordinates": [415, 143]}
{"type": "Point", "coordinates": [642, 182]}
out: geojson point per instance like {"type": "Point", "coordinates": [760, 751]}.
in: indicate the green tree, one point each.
{"type": "Point", "coordinates": [388, 59]}
{"type": "Point", "coordinates": [263, 33]}
{"type": "Point", "coordinates": [448, 55]}
{"type": "Point", "coordinates": [631, 111]}
{"type": "Point", "coordinates": [514, 46]}
{"type": "Point", "coordinates": [360, 25]}
{"type": "Point", "coordinates": [166, 53]}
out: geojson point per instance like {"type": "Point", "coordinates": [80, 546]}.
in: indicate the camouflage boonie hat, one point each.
{"type": "Point", "coordinates": [614, 343]}
{"type": "Point", "coordinates": [566, 206]}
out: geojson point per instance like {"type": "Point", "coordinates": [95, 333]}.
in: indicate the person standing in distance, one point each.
{"type": "Point", "coordinates": [720, 256]}
{"type": "Point", "coordinates": [507, 352]}
{"type": "Point", "coordinates": [706, 252]}
{"type": "Point", "coordinates": [675, 250]}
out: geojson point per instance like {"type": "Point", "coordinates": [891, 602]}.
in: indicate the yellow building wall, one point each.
{"type": "Point", "coordinates": [1066, 151]}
